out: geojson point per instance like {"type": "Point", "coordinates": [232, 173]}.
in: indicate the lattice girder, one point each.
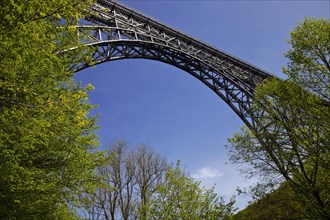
{"type": "Point", "coordinates": [118, 32]}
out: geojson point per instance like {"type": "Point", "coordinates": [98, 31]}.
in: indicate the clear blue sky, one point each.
{"type": "Point", "coordinates": [150, 102]}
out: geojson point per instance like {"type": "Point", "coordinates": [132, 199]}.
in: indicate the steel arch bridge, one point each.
{"type": "Point", "coordinates": [119, 32]}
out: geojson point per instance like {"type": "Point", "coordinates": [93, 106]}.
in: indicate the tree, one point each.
{"type": "Point", "coordinates": [149, 174]}
{"type": "Point", "coordinates": [293, 144]}
{"type": "Point", "coordinates": [180, 197]}
{"type": "Point", "coordinates": [141, 185]}
{"type": "Point", "coordinates": [132, 176]}
{"type": "Point", "coordinates": [47, 139]}
{"type": "Point", "coordinates": [309, 62]}
{"type": "Point", "coordinates": [121, 178]}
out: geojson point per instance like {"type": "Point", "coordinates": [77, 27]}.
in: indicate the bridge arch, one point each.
{"type": "Point", "coordinates": [118, 32]}
{"type": "Point", "coordinates": [231, 93]}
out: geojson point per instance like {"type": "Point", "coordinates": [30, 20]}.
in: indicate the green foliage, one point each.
{"type": "Point", "coordinates": [180, 197]}
{"type": "Point", "coordinates": [309, 56]}
{"type": "Point", "coordinates": [46, 136]}
{"type": "Point", "coordinates": [281, 204]}
{"type": "Point", "coordinates": [297, 149]}
{"type": "Point", "coordinates": [293, 143]}
{"type": "Point", "coordinates": [141, 185]}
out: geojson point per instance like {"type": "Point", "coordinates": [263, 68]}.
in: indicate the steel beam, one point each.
{"type": "Point", "coordinates": [119, 32]}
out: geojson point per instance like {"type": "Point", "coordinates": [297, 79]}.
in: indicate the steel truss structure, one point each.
{"type": "Point", "coordinates": [119, 32]}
